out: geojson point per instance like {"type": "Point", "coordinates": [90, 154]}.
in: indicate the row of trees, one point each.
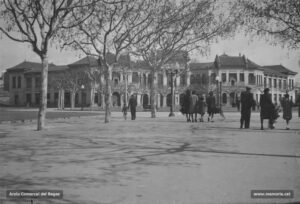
{"type": "Point", "coordinates": [154, 31]}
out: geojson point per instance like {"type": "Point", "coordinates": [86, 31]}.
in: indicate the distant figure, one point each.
{"type": "Point", "coordinates": [267, 109]}
{"type": "Point", "coordinates": [247, 104]}
{"type": "Point", "coordinates": [185, 106]}
{"type": "Point", "coordinates": [124, 111]}
{"type": "Point", "coordinates": [298, 104]}
{"type": "Point", "coordinates": [211, 106]}
{"type": "Point", "coordinates": [287, 105]}
{"type": "Point", "coordinates": [237, 101]}
{"type": "Point", "coordinates": [132, 105]}
{"type": "Point", "coordinates": [193, 100]}
{"type": "Point", "coordinates": [201, 107]}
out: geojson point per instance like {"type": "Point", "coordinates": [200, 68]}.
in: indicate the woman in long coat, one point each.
{"type": "Point", "coordinates": [267, 109]}
{"type": "Point", "coordinates": [287, 105]}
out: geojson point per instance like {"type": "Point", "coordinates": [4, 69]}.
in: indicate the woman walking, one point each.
{"type": "Point", "coordinates": [287, 105]}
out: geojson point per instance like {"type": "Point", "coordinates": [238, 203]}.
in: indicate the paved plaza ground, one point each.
{"type": "Point", "coordinates": [148, 161]}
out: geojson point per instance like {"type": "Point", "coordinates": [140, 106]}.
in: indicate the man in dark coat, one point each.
{"type": "Point", "coordinates": [211, 106]}
{"type": "Point", "coordinates": [267, 109]}
{"type": "Point", "coordinates": [246, 103]}
{"type": "Point", "coordinates": [132, 105]}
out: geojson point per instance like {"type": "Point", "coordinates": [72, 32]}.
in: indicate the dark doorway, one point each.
{"type": "Point", "coordinates": [145, 100]}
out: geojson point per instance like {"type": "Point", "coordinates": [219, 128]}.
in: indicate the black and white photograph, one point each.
{"type": "Point", "coordinates": [149, 101]}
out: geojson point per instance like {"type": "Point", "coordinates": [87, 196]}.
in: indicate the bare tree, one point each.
{"type": "Point", "coordinates": [277, 18]}
{"type": "Point", "coordinates": [37, 23]}
{"type": "Point", "coordinates": [180, 27]}
{"type": "Point", "coordinates": [112, 29]}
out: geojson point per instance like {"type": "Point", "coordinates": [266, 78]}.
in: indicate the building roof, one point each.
{"type": "Point", "coordinates": [29, 67]}
{"type": "Point", "coordinates": [237, 61]}
{"type": "Point", "coordinates": [278, 69]}
{"type": "Point", "coordinates": [124, 60]}
{"type": "Point", "coordinates": [203, 66]}
{"type": "Point", "coordinates": [88, 60]}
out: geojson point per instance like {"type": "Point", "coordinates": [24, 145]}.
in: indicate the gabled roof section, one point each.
{"type": "Point", "coordinates": [124, 60]}
{"type": "Point", "coordinates": [201, 66]}
{"type": "Point", "coordinates": [88, 60]}
{"type": "Point", "coordinates": [237, 61]}
{"type": "Point", "coordinates": [279, 69]}
{"type": "Point", "coordinates": [28, 67]}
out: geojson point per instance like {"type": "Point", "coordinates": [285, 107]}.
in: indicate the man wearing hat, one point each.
{"type": "Point", "coordinates": [246, 105]}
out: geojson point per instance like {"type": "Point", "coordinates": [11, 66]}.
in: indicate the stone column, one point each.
{"type": "Point", "coordinates": [165, 79]}
{"type": "Point", "coordinates": [33, 91]}
{"type": "Point", "coordinates": [129, 77]}
{"type": "Point", "coordinates": [164, 100]}
{"type": "Point", "coordinates": [227, 77]}
{"type": "Point", "coordinates": [121, 76]}
{"type": "Point", "coordinates": [138, 99]}
{"type": "Point", "coordinates": [147, 77]}
{"type": "Point", "coordinates": [158, 100]}
{"type": "Point", "coordinates": [246, 77]}
{"type": "Point", "coordinates": [188, 78]}
{"type": "Point", "coordinates": [177, 80]}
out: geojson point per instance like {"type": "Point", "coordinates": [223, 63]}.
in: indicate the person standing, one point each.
{"type": "Point", "coordinates": [132, 105]}
{"type": "Point", "coordinates": [267, 109]}
{"type": "Point", "coordinates": [287, 105]}
{"type": "Point", "coordinates": [124, 110]}
{"type": "Point", "coordinates": [246, 106]}
{"type": "Point", "coordinates": [201, 107]}
{"type": "Point", "coordinates": [211, 106]}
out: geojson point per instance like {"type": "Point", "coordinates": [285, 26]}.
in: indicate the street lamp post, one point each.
{"type": "Point", "coordinates": [82, 88]}
{"type": "Point", "coordinates": [172, 72]}
{"type": "Point", "coordinates": [219, 92]}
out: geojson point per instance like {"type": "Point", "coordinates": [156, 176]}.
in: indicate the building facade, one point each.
{"type": "Point", "coordinates": [23, 81]}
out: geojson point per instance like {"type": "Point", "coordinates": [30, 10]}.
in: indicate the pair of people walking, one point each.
{"type": "Point", "coordinates": [267, 109]}
{"type": "Point", "coordinates": [132, 106]}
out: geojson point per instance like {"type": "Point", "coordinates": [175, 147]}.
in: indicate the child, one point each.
{"type": "Point", "coordinates": [124, 111]}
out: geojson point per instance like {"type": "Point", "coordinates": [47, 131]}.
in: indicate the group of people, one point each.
{"type": "Point", "coordinates": [192, 105]}
{"type": "Point", "coordinates": [268, 110]}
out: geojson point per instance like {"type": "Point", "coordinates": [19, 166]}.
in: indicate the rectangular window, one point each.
{"type": "Point", "coordinates": [270, 83]}
{"type": "Point", "coordinates": [251, 78]}
{"type": "Point", "coordinates": [223, 77]}
{"type": "Point", "coordinates": [279, 83]}
{"type": "Point", "coordinates": [284, 84]}
{"type": "Point", "coordinates": [275, 83]}
{"type": "Point", "coordinates": [37, 82]}
{"type": "Point", "coordinates": [242, 79]}
{"type": "Point", "coordinates": [37, 98]}
{"type": "Point", "coordinates": [14, 82]}
{"type": "Point", "coordinates": [19, 82]}
{"type": "Point", "coordinates": [28, 99]}
{"type": "Point", "coordinates": [28, 82]}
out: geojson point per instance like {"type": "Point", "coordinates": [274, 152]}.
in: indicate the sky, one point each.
{"type": "Point", "coordinates": [257, 50]}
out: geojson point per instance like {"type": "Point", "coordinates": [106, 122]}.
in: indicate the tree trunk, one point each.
{"type": "Point", "coordinates": [107, 93]}
{"type": "Point", "coordinates": [43, 96]}
{"type": "Point", "coordinates": [153, 95]}
{"type": "Point", "coordinates": [73, 93]}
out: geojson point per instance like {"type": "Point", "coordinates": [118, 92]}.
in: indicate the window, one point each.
{"type": "Point", "coordinates": [28, 99]}
{"type": "Point", "coordinates": [37, 98]}
{"type": "Point", "coordinates": [193, 79]}
{"type": "Point", "coordinates": [265, 82]}
{"type": "Point", "coordinates": [160, 79]}
{"type": "Point", "coordinates": [270, 82]}
{"type": "Point", "coordinates": [37, 82]}
{"type": "Point", "coordinates": [135, 77]}
{"type": "Point", "coordinates": [28, 82]}
{"type": "Point", "coordinates": [279, 83]}
{"type": "Point", "coordinates": [19, 81]}
{"type": "Point", "coordinates": [242, 79]}
{"type": "Point", "coordinates": [223, 77]}
{"type": "Point", "coordinates": [284, 84]}
{"type": "Point", "coordinates": [116, 82]}
{"type": "Point", "coordinates": [182, 79]}
{"type": "Point", "coordinates": [251, 78]}
{"type": "Point", "coordinates": [14, 82]}
{"type": "Point", "coordinates": [275, 83]}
